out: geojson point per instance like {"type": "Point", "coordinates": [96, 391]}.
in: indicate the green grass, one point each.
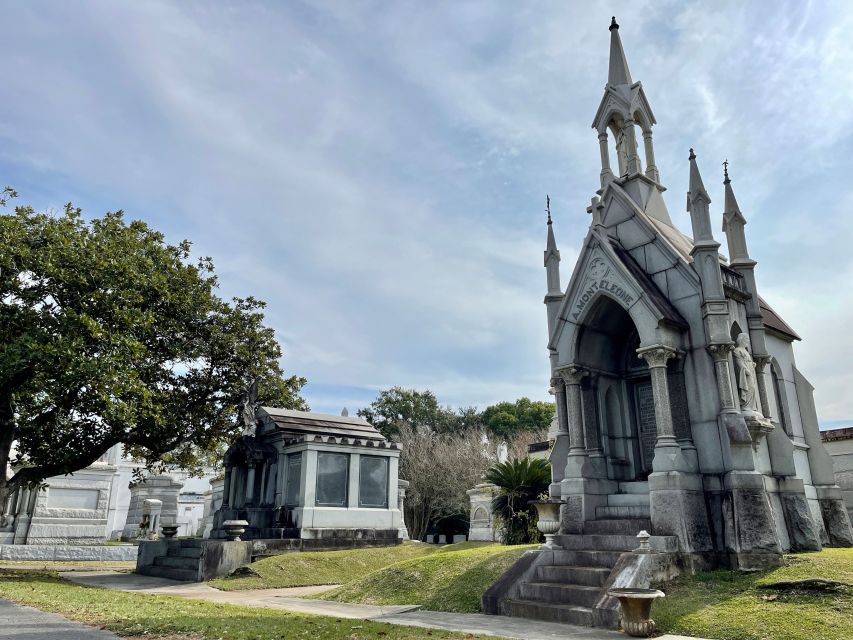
{"type": "Point", "coordinates": [452, 579]}
{"type": "Point", "coordinates": [302, 569]}
{"type": "Point", "coordinates": [729, 605]}
{"type": "Point", "coordinates": [131, 614]}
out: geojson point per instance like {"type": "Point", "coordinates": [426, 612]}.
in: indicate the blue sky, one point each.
{"type": "Point", "coordinates": [377, 171]}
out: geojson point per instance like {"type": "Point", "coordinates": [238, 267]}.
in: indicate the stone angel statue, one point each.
{"type": "Point", "coordinates": [747, 380]}
{"type": "Point", "coordinates": [248, 404]}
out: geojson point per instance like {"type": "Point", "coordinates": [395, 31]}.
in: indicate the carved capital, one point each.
{"type": "Point", "coordinates": [761, 360]}
{"type": "Point", "coordinates": [656, 356]}
{"type": "Point", "coordinates": [572, 375]}
{"type": "Point", "coordinates": [720, 351]}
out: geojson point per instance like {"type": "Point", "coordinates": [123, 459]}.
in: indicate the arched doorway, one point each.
{"type": "Point", "coordinates": [618, 403]}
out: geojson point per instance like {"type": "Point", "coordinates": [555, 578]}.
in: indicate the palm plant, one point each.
{"type": "Point", "coordinates": [519, 481]}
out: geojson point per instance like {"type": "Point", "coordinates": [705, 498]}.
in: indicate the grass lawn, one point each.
{"type": "Point", "coordinates": [321, 567]}
{"type": "Point", "coordinates": [729, 605]}
{"type": "Point", "coordinates": [131, 614]}
{"type": "Point", "coordinates": [451, 579]}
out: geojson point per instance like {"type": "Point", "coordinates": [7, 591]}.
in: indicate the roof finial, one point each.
{"type": "Point", "coordinates": [548, 207]}
{"type": "Point", "coordinates": [613, 23]}
{"type": "Point", "coordinates": [692, 155]}
{"type": "Point", "coordinates": [345, 413]}
{"type": "Point", "coordinates": [726, 171]}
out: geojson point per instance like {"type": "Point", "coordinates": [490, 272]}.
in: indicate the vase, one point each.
{"type": "Point", "coordinates": [549, 520]}
{"type": "Point", "coordinates": [234, 529]}
{"type": "Point", "coordinates": [169, 530]}
{"type": "Point", "coordinates": [636, 605]}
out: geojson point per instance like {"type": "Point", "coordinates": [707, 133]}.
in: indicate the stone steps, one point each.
{"type": "Point", "coordinates": [176, 562]}
{"type": "Point", "coordinates": [185, 552]}
{"type": "Point", "coordinates": [566, 614]}
{"type": "Point", "coordinates": [586, 558]}
{"type": "Point", "coordinates": [628, 500]}
{"type": "Point", "coordinates": [185, 575]}
{"type": "Point", "coordinates": [599, 542]}
{"type": "Point", "coordinates": [621, 513]}
{"type": "Point", "coordinates": [617, 526]}
{"type": "Point", "coordinates": [641, 487]}
{"type": "Point", "coordinates": [556, 593]}
{"type": "Point", "coordinates": [582, 576]}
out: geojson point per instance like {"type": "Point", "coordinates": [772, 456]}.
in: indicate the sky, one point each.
{"type": "Point", "coordinates": [377, 171]}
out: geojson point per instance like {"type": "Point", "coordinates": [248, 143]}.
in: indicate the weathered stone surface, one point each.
{"type": "Point", "coordinates": [802, 532]}
{"type": "Point", "coordinates": [837, 522]}
{"type": "Point", "coordinates": [571, 515]}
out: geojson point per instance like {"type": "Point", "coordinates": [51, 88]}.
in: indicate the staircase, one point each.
{"type": "Point", "coordinates": [568, 589]}
{"type": "Point", "coordinates": [181, 562]}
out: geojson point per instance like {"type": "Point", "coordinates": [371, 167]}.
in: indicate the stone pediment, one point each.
{"type": "Point", "coordinates": [604, 269]}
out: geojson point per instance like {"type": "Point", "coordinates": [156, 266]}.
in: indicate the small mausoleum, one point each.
{"type": "Point", "coordinates": [297, 474]}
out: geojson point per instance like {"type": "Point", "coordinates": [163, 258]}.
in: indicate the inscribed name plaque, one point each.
{"type": "Point", "coordinates": [64, 498]}
{"type": "Point", "coordinates": [646, 422]}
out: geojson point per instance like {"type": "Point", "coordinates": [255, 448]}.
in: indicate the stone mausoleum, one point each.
{"type": "Point", "coordinates": [296, 474]}
{"type": "Point", "coordinates": [686, 435]}
{"type": "Point", "coordinates": [679, 399]}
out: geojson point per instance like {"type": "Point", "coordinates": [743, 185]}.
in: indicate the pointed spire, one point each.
{"type": "Point", "coordinates": [697, 188]}
{"type": "Point", "coordinates": [618, 72]}
{"type": "Point", "coordinates": [345, 413]}
{"type": "Point", "coordinates": [552, 255]}
{"type": "Point", "coordinates": [551, 243]}
{"type": "Point", "coordinates": [731, 211]}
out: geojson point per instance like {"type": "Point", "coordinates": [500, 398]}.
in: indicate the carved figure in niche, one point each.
{"type": "Point", "coordinates": [248, 403]}
{"type": "Point", "coordinates": [747, 381]}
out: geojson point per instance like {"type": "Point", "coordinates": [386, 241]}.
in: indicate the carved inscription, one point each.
{"type": "Point", "coordinates": [646, 422]}
{"type": "Point", "coordinates": [605, 285]}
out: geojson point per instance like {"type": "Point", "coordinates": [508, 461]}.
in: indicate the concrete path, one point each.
{"type": "Point", "coordinates": [409, 615]}
{"type": "Point", "coordinates": [25, 623]}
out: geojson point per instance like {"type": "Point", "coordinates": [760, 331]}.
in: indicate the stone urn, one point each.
{"type": "Point", "coordinates": [636, 607]}
{"type": "Point", "coordinates": [549, 519]}
{"type": "Point", "coordinates": [169, 530]}
{"type": "Point", "coordinates": [234, 529]}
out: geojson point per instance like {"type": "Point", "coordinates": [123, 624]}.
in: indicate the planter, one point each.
{"type": "Point", "coordinates": [636, 607]}
{"type": "Point", "coordinates": [234, 529]}
{"type": "Point", "coordinates": [169, 530]}
{"type": "Point", "coordinates": [549, 519]}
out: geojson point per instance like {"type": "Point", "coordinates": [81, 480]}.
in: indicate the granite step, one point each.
{"type": "Point", "coordinates": [586, 558]}
{"type": "Point", "coordinates": [184, 552]}
{"type": "Point", "coordinates": [176, 562]}
{"type": "Point", "coordinates": [596, 542]}
{"type": "Point", "coordinates": [625, 526]}
{"type": "Point", "coordinates": [628, 500]}
{"type": "Point", "coordinates": [608, 512]}
{"type": "Point", "coordinates": [184, 575]}
{"type": "Point", "coordinates": [582, 576]}
{"type": "Point", "coordinates": [554, 593]}
{"type": "Point", "coordinates": [567, 614]}
{"type": "Point", "coordinates": [640, 486]}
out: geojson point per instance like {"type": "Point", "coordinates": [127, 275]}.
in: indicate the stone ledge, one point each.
{"type": "Point", "coordinates": [68, 553]}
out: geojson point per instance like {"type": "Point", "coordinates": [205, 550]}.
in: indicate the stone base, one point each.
{"type": "Point", "coordinates": [802, 532]}
{"type": "Point", "coordinates": [678, 508]}
{"type": "Point", "coordinates": [749, 533]}
{"type": "Point", "coordinates": [835, 517]}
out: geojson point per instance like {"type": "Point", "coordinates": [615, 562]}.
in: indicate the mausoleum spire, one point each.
{"type": "Point", "coordinates": [618, 72]}
{"type": "Point", "coordinates": [697, 204]}
{"type": "Point", "coordinates": [554, 296]}
{"type": "Point", "coordinates": [733, 222]}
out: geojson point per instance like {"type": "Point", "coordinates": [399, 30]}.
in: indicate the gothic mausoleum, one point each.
{"type": "Point", "coordinates": [683, 419]}
{"type": "Point", "coordinates": [679, 399]}
{"type": "Point", "coordinates": [297, 474]}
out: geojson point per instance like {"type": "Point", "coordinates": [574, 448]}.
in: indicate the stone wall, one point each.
{"type": "Point", "coordinates": [839, 444]}
{"type": "Point", "coordinates": [163, 488]}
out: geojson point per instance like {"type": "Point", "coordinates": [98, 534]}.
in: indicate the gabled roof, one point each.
{"type": "Point", "coordinates": [774, 322]}
{"type": "Point", "coordinates": [303, 423]}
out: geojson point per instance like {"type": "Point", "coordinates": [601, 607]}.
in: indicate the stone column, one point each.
{"type": "Point", "coordinates": [606, 173]}
{"type": "Point", "coordinates": [597, 467]}
{"type": "Point", "coordinates": [572, 377]}
{"type": "Point", "coordinates": [761, 362]}
{"type": "Point", "coordinates": [668, 456]}
{"type": "Point", "coordinates": [279, 481]}
{"type": "Point", "coordinates": [250, 483]}
{"type": "Point", "coordinates": [226, 489]}
{"type": "Point", "coordinates": [560, 450]}
{"type": "Point", "coordinates": [651, 167]}
{"type": "Point", "coordinates": [730, 415]}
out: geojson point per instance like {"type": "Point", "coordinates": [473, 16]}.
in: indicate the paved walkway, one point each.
{"type": "Point", "coordinates": [25, 623]}
{"type": "Point", "coordinates": [290, 600]}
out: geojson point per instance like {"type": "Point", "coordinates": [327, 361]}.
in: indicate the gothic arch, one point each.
{"type": "Point", "coordinates": [780, 397]}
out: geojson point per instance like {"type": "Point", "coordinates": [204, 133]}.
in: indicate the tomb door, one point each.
{"type": "Point", "coordinates": [644, 405]}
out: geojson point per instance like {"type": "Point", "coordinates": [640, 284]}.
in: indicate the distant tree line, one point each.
{"type": "Point", "coordinates": [397, 407]}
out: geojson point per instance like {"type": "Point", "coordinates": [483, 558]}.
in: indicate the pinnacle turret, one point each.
{"type": "Point", "coordinates": [733, 222]}
{"type": "Point", "coordinates": [618, 72]}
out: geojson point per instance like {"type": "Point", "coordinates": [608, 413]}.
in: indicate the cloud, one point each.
{"type": "Point", "coordinates": [377, 172]}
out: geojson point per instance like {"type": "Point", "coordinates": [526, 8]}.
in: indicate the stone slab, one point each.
{"type": "Point", "coordinates": [67, 553]}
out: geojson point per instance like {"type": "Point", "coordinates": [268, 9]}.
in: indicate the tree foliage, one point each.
{"type": "Point", "coordinates": [519, 481]}
{"type": "Point", "coordinates": [397, 407]}
{"type": "Point", "coordinates": [440, 468]}
{"type": "Point", "coordinates": [508, 418]}
{"type": "Point", "coordinates": [110, 335]}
